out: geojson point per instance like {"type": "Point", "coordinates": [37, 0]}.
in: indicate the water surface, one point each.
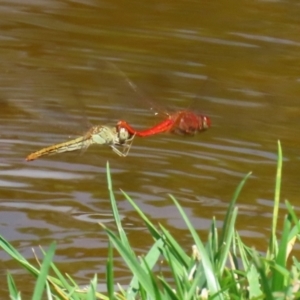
{"type": "Point", "coordinates": [236, 62]}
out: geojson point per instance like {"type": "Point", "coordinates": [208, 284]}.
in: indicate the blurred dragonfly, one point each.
{"type": "Point", "coordinates": [102, 135]}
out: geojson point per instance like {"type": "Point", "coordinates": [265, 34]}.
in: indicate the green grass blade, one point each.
{"type": "Point", "coordinates": [10, 250]}
{"type": "Point", "coordinates": [263, 277]}
{"type": "Point", "coordinates": [273, 241]}
{"type": "Point", "coordinates": [153, 231]}
{"type": "Point", "coordinates": [212, 281]}
{"type": "Point", "coordinates": [156, 287]}
{"type": "Point", "coordinates": [243, 252]}
{"type": "Point", "coordinates": [175, 276]}
{"type": "Point", "coordinates": [42, 278]}
{"type": "Point", "coordinates": [48, 291]}
{"type": "Point", "coordinates": [280, 260]}
{"type": "Point", "coordinates": [254, 284]}
{"type": "Point", "coordinates": [13, 291]}
{"type": "Point", "coordinates": [110, 273]}
{"type": "Point", "coordinates": [213, 243]}
{"type": "Point", "coordinates": [227, 242]}
{"type": "Point", "coordinates": [293, 215]}
{"type": "Point", "coordinates": [131, 262]}
{"type": "Point", "coordinates": [230, 209]}
{"type": "Point", "coordinates": [151, 259]}
{"type": "Point", "coordinates": [277, 190]}
{"type": "Point", "coordinates": [91, 294]}
{"type": "Point", "coordinates": [176, 249]}
{"type": "Point", "coordinates": [170, 293]}
{"type": "Point", "coordinates": [61, 284]}
{"type": "Point", "coordinates": [193, 288]}
{"type": "Point", "coordinates": [114, 207]}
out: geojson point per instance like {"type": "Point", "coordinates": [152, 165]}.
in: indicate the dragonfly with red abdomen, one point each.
{"type": "Point", "coordinates": [103, 135]}
{"type": "Point", "coordinates": [182, 122]}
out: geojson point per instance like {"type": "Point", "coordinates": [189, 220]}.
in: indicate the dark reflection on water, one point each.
{"type": "Point", "coordinates": [237, 64]}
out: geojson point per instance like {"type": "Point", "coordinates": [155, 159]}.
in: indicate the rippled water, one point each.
{"type": "Point", "coordinates": [237, 63]}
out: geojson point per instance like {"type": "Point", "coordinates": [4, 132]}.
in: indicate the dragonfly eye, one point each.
{"type": "Point", "coordinates": [205, 122]}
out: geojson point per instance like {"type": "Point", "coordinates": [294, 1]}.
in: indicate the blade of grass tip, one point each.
{"type": "Point", "coordinates": [60, 284]}
{"type": "Point", "coordinates": [40, 283]}
{"type": "Point", "coordinates": [272, 243]}
{"type": "Point", "coordinates": [13, 291]}
{"type": "Point", "coordinates": [109, 272]}
{"type": "Point", "coordinates": [91, 294]}
{"type": "Point", "coordinates": [114, 207]}
{"type": "Point", "coordinates": [212, 281]}
{"type": "Point", "coordinates": [277, 189]}
{"type": "Point", "coordinates": [121, 293]}
{"type": "Point", "coordinates": [230, 209]}
{"type": "Point", "coordinates": [224, 250]}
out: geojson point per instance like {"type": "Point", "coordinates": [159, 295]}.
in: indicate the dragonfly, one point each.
{"type": "Point", "coordinates": [182, 122]}
{"type": "Point", "coordinates": [114, 136]}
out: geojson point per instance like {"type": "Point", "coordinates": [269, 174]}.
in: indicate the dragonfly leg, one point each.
{"type": "Point", "coordinates": [126, 147]}
{"type": "Point", "coordinates": [117, 151]}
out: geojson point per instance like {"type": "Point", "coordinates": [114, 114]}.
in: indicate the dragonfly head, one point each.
{"type": "Point", "coordinates": [125, 132]}
{"type": "Point", "coordinates": [205, 122]}
{"type": "Point", "coordinates": [124, 136]}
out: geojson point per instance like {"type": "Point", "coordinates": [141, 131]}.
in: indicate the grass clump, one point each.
{"type": "Point", "coordinates": [223, 267]}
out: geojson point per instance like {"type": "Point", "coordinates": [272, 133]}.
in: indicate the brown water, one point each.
{"type": "Point", "coordinates": [236, 61]}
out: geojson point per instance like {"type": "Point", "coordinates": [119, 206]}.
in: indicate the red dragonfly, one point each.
{"type": "Point", "coordinates": [184, 122]}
